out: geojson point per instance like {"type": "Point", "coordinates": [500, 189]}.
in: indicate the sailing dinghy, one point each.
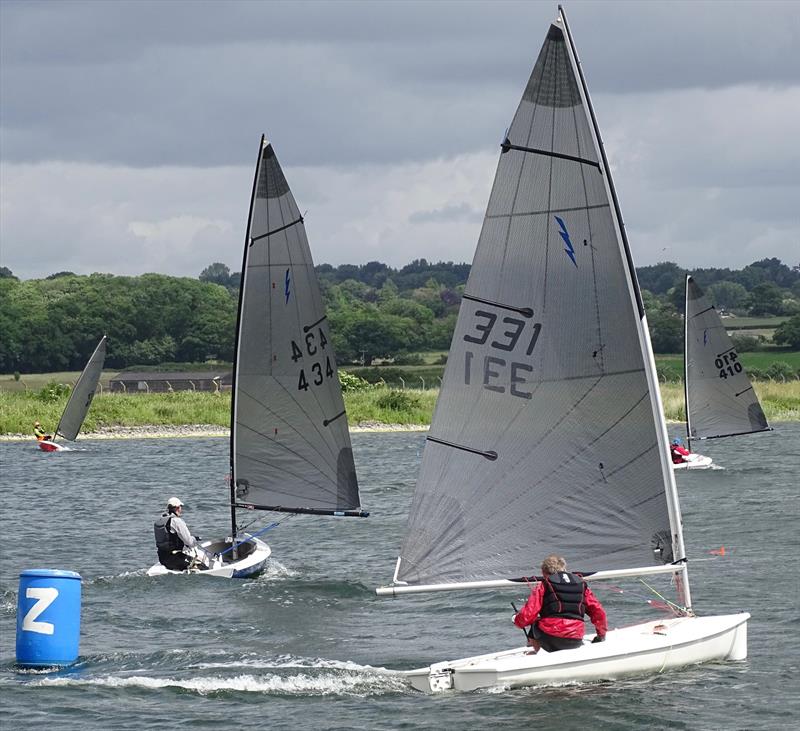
{"type": "Point", "coordinates": [290, 446]}
{"type": "Point", "coordinates": [79, 402]}
{"type": "Point", "coordinates": [548, 434]}
{"type": "Point", "coordinates": [720, 400]}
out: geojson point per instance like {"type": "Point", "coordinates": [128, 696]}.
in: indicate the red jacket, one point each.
{"type": "Point", "coordinates": [678, 453]}
{"type": "Point", "coordinates": [559, 626]}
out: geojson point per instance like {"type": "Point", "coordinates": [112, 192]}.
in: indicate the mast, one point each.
{"type": "Point", "coordinates": [234, 399]}
{"type": "Point", "coordinates": [686, 361]}
{"type": "Point", "coordinates": [662, 435]}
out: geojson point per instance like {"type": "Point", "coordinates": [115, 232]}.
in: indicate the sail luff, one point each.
{"type": "Point", "coordinates": [82, 394]}
{"type": "Point", "coordinates": [673, 502]}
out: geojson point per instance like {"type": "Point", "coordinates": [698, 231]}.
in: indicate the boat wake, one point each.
{"type": "Point", "coordinates": [284, 676]}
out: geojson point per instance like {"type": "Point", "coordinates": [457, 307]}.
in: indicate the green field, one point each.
{"type": "Point", "coordinates": [18, 411]}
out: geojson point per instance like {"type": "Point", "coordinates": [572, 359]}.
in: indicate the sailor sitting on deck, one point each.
{"type": "Point", "coordinates": [556, 607]}
{"type": "Point", "coordinates": [40, 434]}
{"type": "Point", "coordinates": [678, 452]}
{"type": "Point", "coordinates": [173, 536]}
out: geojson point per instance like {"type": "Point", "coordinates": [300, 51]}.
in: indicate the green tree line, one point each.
{"type": "Point", "coordinates": [375, 311]}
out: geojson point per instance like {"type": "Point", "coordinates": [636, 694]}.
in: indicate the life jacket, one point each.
{"type": "Point", "coordinates": [563, 596]}
{"type": "Point", "coordinates": [166, 540]}
{"type": "Point", "coordinates": [677, 452]}
{"type": "Point", "coordinates": [39, 433]}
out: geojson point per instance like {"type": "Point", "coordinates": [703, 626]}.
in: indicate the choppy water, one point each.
{"type": "Point", "coordinates": [308, 645]}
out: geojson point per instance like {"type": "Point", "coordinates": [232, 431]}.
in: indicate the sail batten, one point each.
{"type": "Point", "coordinates": [290, 446]}
{"type": "Point", "coordinates": [560, 396]}
{"type": "Point", "coordinates": [720, 400]}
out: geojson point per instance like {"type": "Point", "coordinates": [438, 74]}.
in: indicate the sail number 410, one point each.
{"type": "Point", "coordinates": [496, 371]}
{"type": "Point", "coordinates": [728, 364]}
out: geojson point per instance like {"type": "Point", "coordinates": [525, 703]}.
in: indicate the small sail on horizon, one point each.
{"type": "Point", "coordinates": [290, 444]}
{"type": "Point", "coordinates": [82, 394]}
{"type": "Point", "coordinates": [548, 434]}
{"type": "Point", "coordinates": [720, 400]}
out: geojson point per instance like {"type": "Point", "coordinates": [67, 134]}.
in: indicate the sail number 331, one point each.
{"type": "Point", "coordinates": [497, 372]}
{"type": "Point", "coordinates": [315, 344]}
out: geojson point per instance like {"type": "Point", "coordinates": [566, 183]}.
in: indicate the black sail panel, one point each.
{"type": "Point", "coordinates": [80, 400]}
{"type": "Point", "coordinates": [544, 437]}
{"type": "Point", "coordinates": [291, 444]}
{"type": "Point", "coordinates": [720, 400]}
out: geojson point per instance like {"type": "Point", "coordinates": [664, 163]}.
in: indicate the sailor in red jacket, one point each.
{"type": "Point", "coordinates": [678, 452]}
{"type": "Point", "coordinates": [556, 608]}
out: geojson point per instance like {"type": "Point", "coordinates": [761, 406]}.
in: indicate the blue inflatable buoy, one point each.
{"type": "Point", "coordinates": [48, 618]}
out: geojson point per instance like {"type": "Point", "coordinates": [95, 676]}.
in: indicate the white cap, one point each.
{"type": "Point", "coordinates": [174, 502]}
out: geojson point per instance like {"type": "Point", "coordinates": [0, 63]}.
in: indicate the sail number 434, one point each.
{"type": "Point", "coordinates": [315, 344]}
{"type": "Point", "coordinates": [497, 372]}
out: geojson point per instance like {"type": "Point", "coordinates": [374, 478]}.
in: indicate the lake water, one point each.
{"type": "Point", "coordinates": [309, 645]}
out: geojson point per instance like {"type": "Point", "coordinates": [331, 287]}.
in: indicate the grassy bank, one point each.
{"type": "Point", "coordinates": [18, 411]}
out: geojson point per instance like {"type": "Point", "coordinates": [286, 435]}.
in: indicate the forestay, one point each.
{"type": "Point", "coordinates": [720, 400]}
{"type": "Point", "coordinates": [547, 435]}
{"type": "Point", "coordinates": [290, 443]}
{"type": "Point", "coordinates": [82, 394]}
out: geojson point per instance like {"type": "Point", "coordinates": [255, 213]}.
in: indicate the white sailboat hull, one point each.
{"type": "Point", "coordinates": [696, 462]}
{"type": "Point", "coordinates": [650, 647]}
{"type": "Point", "coordinates": [245, 567]}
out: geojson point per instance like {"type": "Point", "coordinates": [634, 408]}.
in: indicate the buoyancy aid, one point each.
{"type": "Point", "coordinates": [563, 596]}
{"type": "Point", "coordinates": [166, 540]}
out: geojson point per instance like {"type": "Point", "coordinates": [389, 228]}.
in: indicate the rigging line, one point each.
{"type": "Point", "coordinates": [489, 454]}
{"type": "Point", "coordinates": [524, 311]}
{"type": "Point", "coordinates": [507, 145]}
{"type": "Point", "coordinates": [543, 212]}
{"type": "Point", "coordinates": [276, 230]}
{"type": "Point", "coordinates": [662, 597]}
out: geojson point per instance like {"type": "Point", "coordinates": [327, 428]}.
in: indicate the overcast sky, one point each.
{"type": "Point", "coordinates": [129, 130]}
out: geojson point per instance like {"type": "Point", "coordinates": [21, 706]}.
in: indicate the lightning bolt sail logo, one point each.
{"type": "Point", "coordinates": [564, 234]}
{"type": "Point", "coordinates": [286, 290]}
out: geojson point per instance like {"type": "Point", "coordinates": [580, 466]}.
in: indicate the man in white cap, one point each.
{"type": "Point", "coordinates": [173, 536]}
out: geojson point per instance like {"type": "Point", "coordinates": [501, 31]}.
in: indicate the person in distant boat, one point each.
{"type": "Point", "coordinates": [678, 452]}
{"type": "Point", "coordinates": [173, 536]}
{"type": "Point", "coordinates": [40, 434]}
{"type": "Point", "coordinates": [556, 608]}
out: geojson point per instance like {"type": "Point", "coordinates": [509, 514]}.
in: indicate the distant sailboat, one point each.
{"type": "Point", "coordinates": [79, 401]}
{"type": "Point", "coordinates": [720, 400]}
{"type": "Point", "coordinates": [290, 446]}
{"type": "Point", "coordinates": [548, 434]}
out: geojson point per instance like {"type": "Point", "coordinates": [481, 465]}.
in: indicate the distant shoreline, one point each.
{"type": "Point", "coordinates": [161, 431]}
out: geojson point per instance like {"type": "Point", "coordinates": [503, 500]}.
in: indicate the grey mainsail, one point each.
{"type": "Point", "coordinates": [548, 434]}
{"type": "Point", "coordinates": [290, 445]}
{"type": "Point", "coordinates": [720, 400]}
{"type": "Point", "coordinates": [82, 394]}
